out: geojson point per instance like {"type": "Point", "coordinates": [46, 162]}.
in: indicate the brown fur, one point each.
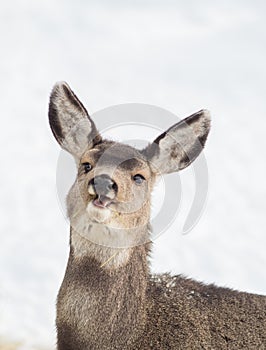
{"type": "Point", "coordinates": [108, 298]}
{"type": "Point", "coordinates": [127, 308]}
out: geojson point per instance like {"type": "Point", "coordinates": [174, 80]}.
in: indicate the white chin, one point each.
{"type": "Point", "coordinates": [100, 215]}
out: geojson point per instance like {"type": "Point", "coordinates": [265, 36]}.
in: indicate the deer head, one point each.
{"type": "Point", "coordinates": [109, 203]}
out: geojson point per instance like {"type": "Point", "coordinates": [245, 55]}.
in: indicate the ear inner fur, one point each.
{"type": "Point", "coordinates": [66, 116]}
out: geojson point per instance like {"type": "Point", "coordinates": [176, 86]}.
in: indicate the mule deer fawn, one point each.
{"type": "Point", "coordinates": [108, 298]}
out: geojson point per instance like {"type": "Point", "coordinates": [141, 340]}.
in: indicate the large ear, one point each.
{"type": "Point", "coordinates": [70, 122]}
{"type": "Point", "coordinates": [180, 145]}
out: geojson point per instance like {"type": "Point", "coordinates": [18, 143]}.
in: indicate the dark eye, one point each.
{"type": "Point", "coordinates": [138, 179]}
{"type": "Point", "coordinates": [87, 167]}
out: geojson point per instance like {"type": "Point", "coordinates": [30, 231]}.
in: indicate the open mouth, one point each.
{"type": "Point", "coordinates": [102, 201]}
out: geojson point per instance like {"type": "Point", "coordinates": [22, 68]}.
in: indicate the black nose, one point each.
{"type": "Point", "coordinates": [103, 184]}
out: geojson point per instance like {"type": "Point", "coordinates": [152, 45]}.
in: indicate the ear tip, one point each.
{"type": "Point", "coordinates": [205, 114]}
{"type": "Point", "coordinates": [205, 117]}
{"type": "Point", "coordinates": [61, 83]}
{"type": "Point", "coordinates": [59, 86]}
{"type": "Point", "coordinates": [202, 119]}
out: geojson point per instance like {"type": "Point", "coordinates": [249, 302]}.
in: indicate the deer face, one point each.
{"type": "Point", "coordinates": [113, 186]}
{"type": "Point", "coordinates": [114, 181]}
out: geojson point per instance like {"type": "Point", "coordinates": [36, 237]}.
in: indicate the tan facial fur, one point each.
{"type": "Point", "coordinates": [129, 210]}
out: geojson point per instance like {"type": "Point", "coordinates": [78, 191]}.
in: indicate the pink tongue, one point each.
{"type": "Point", "coordinates": [101, 201]}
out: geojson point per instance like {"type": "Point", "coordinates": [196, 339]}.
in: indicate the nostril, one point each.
{"type": "Point", "coordinates": [109, 187]}
{"type": "Point", "coordinates": [114, 187]}
{"type": "Point", "coordinates": [91, 182]}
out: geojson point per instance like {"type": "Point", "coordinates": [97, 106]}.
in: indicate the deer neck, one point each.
{"type": "Point", "coordinates": [110, 292]}
{"type": "Point", "coordinates": [110, 248]}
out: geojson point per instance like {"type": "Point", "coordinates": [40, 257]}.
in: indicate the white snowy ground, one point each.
{"type": "Point", "coordinates": [180, 55]}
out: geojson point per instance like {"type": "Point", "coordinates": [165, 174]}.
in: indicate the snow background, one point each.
{"type": "Point", "coordinates": [179, 55]}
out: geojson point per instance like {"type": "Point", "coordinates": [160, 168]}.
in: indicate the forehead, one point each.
{"type": "Point", "coordinates": [116, 154]}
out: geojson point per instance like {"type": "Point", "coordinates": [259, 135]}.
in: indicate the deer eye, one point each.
{"type": "Point", "coordinates": [138, 179]}
{"type": "Point", "coordinates": [87, 167]}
